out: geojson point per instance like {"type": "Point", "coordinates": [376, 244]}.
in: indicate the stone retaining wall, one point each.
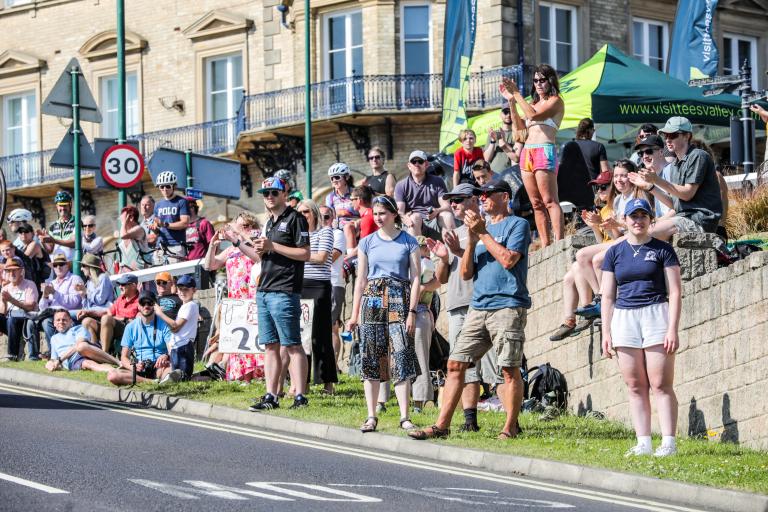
{"type": "Point", "coordinates": [722, 365]}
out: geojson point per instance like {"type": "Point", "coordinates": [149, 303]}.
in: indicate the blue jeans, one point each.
{"type": "Point", "coordinates": [183, 358]}
{"type": "Point", "coordinates": [13, 327]}
{"type": "Point", "coordinates": [279, 314]}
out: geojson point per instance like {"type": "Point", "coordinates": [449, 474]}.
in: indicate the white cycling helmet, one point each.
{"type": "Point", "coordinates": [20, 215]}
{"type": "Point", "coordinates": [338, 169]}
{"type": "Point", "coordinates": [283, 174]}
{"type": "Point", "coordinates": [165, 178]}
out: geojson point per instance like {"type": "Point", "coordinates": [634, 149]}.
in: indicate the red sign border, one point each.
{"type": "Point", "coordinates": [105, 174]}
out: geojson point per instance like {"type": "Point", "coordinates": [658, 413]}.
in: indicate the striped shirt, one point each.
{"type": "Point", "coordinates": [320, 240]}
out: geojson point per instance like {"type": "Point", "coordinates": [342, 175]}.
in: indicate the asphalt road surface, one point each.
{"type": "Point", "coordinates": [64, 453]}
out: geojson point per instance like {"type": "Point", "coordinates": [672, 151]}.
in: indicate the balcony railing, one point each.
{"type": "Point", "coordinates": [30, 169]}
{"type": "Point", "coordinates": [370, 93]}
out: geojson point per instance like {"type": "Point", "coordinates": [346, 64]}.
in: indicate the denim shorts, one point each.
{"type": "Point", "coordinates": [279, 314]}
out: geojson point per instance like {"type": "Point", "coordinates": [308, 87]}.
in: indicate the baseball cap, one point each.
{"type": "Point", "coordinates": [461, 190]}
{"type": "Point", "coordinates": [186, 281]}
{"type": "Point", "coordinates": [603, 178]}
{"type": "Point", "coordinates": [127, 279]}
{"type": "Point", "coordinates": [146, 295]}
{"type": "Point", "coordinates": [677, 124]}
{"type": "Point", "coordinates": [163, 276]}
{"type": "Point", "coordinates": [650, 141]}
{"type": "Point", "coordinates": [272, 183]}
{"type": "Point", "coordinates": [417, 154]}
{"type": "Point", "coordinates": [496, 186]}
{"type": "Point", "coordinates": [637, 204]}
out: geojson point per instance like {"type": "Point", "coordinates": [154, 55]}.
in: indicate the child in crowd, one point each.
{"type": "Point", "coordinates": [464, 157]}
{"type": "Point", "coordinates": [183, 328]}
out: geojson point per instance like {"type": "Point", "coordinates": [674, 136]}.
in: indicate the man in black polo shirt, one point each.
{"type": "Point", "coordinates": [283, 250]}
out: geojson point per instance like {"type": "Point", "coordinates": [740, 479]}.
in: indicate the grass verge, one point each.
{"type": "Point", "coordinates": [578, 440]}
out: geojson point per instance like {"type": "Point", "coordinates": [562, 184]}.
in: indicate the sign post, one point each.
{"type": "Point", "coordinates": [74, 71]}
{"type": "Point", "coordinates": [121, 129]}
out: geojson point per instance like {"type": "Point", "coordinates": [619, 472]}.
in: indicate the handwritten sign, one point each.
{"type": "Point", "coordinates": [239, 326]}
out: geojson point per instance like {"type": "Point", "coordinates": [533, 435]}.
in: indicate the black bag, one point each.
{"type": "Point", "coordinates": [548, 386]}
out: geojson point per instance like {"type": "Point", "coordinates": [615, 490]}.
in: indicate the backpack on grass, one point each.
{"type": "Point", "coordinates": [548, 385]}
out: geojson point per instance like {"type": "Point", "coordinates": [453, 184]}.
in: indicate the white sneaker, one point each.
{"type": "Point", "coordinates": [665, 451]}
{"type": "Point", "coordinates": [637, 451]}
{"type": "Point", "coordinates": [173, 376]}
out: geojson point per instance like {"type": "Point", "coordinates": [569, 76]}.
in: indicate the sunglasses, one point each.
{"type": "Point", "coordinates": [374, 157]}
{"type": "Point", "coordinates": [457, 200]}
{"type": "Point", "coordinates": [161, 282]}
{"type": "Point", "coordinates": [646, 151]}
{"type": "Point", "coordinates": [506, 111]}
{"type": "Point", "coordinates": [161, 187]}
{"type": "Point", "coordinates": [270, 193]}
{"type": "Point", "coordinates": [304, 212]}
{"type": "Point", "coordinates": [672, 136]}
{"type": "Point", "coordinates": [145, 303]}
{"type": "Point", "coordinates": [337, 178]}
{"type": "Point", "coordinates": [89, 225]}
{"type": "Point", "coordinates": [59, 264]}
{"type": "Point", "coordinates": [417, 161]}
{"type": "Point", "coordinates": [540, 80]}
{"type": "Point", "coordinates": [603, 187]}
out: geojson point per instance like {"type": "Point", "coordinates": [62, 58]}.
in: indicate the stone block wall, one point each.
{"type": "Point", "coordinates": [721, 369]}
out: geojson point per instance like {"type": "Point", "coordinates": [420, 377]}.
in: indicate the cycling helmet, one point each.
{"type": "Point", "coordinates": [338, 169]}
{"type": "Point", "coordinates": [20, 215]}
{"type": "Point", "coordinates": [165, 178]}
{"type": "Point", "coordinates": [62, 197]}
{"type": "Point", "coordinates": [283, 174]}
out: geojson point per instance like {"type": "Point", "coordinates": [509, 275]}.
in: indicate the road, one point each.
{"type": "Point", "coordinates": [64, 453]}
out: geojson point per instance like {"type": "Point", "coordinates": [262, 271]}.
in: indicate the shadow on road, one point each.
{"type": "Point", "coordinates": [9, 401]}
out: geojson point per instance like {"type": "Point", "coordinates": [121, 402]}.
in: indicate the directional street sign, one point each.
{"type": "Point", "coordinates": [59, 100]}
{"type": "Point", "coordinates": [63, 157]}
{"type": "Point", "coordinates": [122, 166]}
{"type": "Point", "coordinates": [194, 193]}
{"type": "Point", "coordinates": [219, 177]}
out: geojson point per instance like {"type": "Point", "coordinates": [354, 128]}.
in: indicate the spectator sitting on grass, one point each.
{"type": "Point", "coordinates": [71, 347]}
{"type": "Point", "coordinates": [148, 336]}
{"type": "Point", "coordinates": [183, 327]}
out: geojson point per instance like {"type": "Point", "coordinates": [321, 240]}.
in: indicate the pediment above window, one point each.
{"type": "Point", "coordinates": [13, 62]}
{"type": "Point", "coordinates": [752, 6]}
{"type": "Point", "coordinates": [217, 24]}
{"type": "Point", "coordinates": [104, 44]}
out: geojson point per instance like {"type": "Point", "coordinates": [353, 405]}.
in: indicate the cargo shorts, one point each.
{"type": "Point", "coordinates": [501, 330]}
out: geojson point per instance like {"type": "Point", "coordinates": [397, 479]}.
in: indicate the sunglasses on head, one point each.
{"type": "Point", "coordinates": [646, 151]}
{"type": "Point", "coordinates": [603, 187]}
{"type": "Point", "coordinates": [417, 161]}
{"type": "Point", "coordinates": [540, 80]}
{"type": "Point", "coordinates": [374, 157]}
{"type": "Point", "coordinates": [672, 136]}
{"type": "Point", "coordinates": [270, 193]}
{"type": "Point", "coordinates": [161, 282]}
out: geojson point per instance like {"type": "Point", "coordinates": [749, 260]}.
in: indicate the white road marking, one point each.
{"type": "Point", "coordinates": [530, 483]}
{"type": "Point", "coordinates": [33, 485]}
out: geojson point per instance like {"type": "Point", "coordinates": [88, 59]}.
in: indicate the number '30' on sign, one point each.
{"type": "Point", "coordinates": [122, 166]}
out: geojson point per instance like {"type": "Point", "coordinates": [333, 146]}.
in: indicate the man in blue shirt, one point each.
{"type": "Point", "coordinates": [147, 336]}
{"type": "Point", "coordinates": [496, 259]}
{"type": "Point", "coordinates": [72, 348]}
{"type": "Point", "coordinates": [171, 218]}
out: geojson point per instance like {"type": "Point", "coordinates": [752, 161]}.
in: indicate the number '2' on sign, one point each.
{"type": "Point", "coordinates": [239, 326]}
{"type": "Point", "coordinates": [122, 166]}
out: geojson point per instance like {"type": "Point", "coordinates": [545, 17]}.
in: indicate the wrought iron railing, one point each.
{"type": "Point", "coordinates": [369, 93]}
{"type": "Point", "coordinates": [30, 169]}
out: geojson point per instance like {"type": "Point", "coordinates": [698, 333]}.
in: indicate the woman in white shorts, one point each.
{"type": "Point", "coordinates": [641, 304]}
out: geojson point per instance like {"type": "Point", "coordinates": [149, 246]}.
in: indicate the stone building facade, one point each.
{"type": "Point", "coordinates": [190, 63]}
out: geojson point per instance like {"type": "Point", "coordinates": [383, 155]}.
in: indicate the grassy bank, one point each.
{"type": "Point", "coordinates": [578, 440]}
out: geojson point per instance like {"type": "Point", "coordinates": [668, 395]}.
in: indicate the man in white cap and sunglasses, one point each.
{"type": "Point", "coordinates": [419, 199]}
{"type": "Point", "coordinates": [692, 188]}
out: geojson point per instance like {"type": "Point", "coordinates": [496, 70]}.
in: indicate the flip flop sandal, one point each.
{"type": "Point", "coordinates": [433, 432]}
{"type": "Point", "coordinates": [370, 424]}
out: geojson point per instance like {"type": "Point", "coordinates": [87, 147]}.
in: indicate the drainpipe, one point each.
{"type": "Point", "coordinates": [520, 46]}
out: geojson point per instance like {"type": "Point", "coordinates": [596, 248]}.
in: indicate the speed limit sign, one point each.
{"type": "Point", "coordinates": [122, 166]}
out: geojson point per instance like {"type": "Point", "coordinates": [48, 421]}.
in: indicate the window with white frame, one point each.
{"type": "Point", "coordinates": [344, 45]}
{"type": "Point", "coordinates": [557, 37]}
{"type": "Point", "coordinates": [14, 3]}
{"type": "Point", "coordinates": [415, 30]}
{"type": "Point", "coordinates": [736, 49]}
{"type": "Point", "coordinates": [19, 123]}
{"type": "Point", "coordinates": [650, 40]}
{"type": "Point", "coordinates": [223, 86]}
{"type": "Point", "coordinates": [108, 87]}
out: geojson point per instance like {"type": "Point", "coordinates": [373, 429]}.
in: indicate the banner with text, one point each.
{"type": "Point", "coordinates": [694, 52]}
{"type": "Point", "coordinates": [459, 41]}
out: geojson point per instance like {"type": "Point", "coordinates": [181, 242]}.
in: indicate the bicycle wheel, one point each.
{"type": "Point", "coordinates": [3, 197]}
